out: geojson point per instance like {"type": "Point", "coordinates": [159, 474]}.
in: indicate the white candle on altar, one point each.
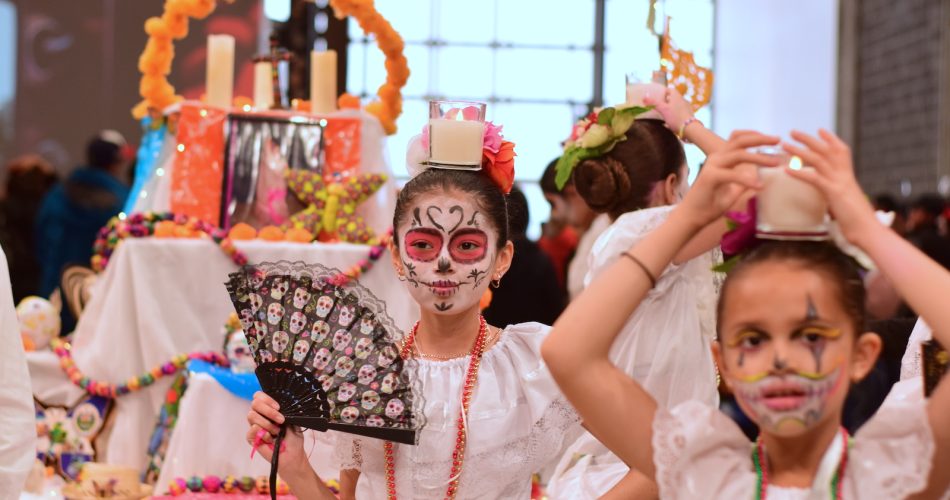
{"type": "Point", "coordinates": [219, 78]}
{"type": "Point", "coordinates": [787, 205]}
{"type": "Point", "coordinates": [323, 81]}
{"type": "Point", "coordinates": [263, 85]}
{"type": "Point", "coordinates": [456, 142]}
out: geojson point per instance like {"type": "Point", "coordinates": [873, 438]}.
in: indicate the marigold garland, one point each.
{"type": "Point", "coordinates": [63, 350]}
{"type": "Point", "coordinates": [155, 63]}
{"type": "Point", "coordinates": [164, 224]}
{"type": "Point", "coordinates": [389, 105]}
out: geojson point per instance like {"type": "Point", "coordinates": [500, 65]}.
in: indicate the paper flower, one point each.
{"type": "Point", "coordinates": [331, 204]}
{"type": "Point", "coordinates": [500, 166]}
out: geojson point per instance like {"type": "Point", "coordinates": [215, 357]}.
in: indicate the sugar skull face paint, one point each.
{"type": "Point", "coordinates": [448, 251]}
{"type": "Point", "coordinates": [788, 404]}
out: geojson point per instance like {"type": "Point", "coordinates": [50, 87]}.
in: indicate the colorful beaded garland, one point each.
{"type": "Point", "coordinates": [232, 485]}
{"type": "Point", "coordinates": [458, 455]}
{"type": "Point", "coordinates": [63, 350]}
{"type": "Point", "coordinates": [141, 225]}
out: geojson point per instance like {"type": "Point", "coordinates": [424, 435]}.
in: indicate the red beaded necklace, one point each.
{"type": "Point", "coordinates": [471, 376]}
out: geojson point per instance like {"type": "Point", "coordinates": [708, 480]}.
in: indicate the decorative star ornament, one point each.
{"type": "Point", "coordinates": [331, 204]}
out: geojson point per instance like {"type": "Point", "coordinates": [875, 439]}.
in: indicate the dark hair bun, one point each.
{"type": "Point", "coordinates": [603, 183]}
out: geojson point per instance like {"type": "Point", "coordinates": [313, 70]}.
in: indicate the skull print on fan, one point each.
{"type": "Point", "coordinates": [257, 279]}
{"type": "Point", "coordinates": [346, 315]}
{"type": "Point", "coordinates": [327, 382]}
{"type": "Point", "coordinates": [366, 374]}
{"type": "Point", "coordinates": [374, 421]}
{"type": "Point", "coordinates": [344, 366]}
{"type": "Point", "coordinates": [256, 301]}
{"type": "Point", "coordinates": [300, 350]}
{"type": "Point", "coordinates": [319, 330]}
{"type": "Point", "coordinates": [297, 321]}
{"type": "Point", "coordinates": [275, 312]}
{"type": "Point", "coordinates": [388, 381]}
{"type": "Point", "coordinates": [370, 400]}
{"type": "Point", "coordinates": [247, 318]}
{"type": "Point", "coordinates": [394, 408]}
{"type": "Point", "coordinates": [280, 341]}
{"type": "Point", "coordinates": [341, 339]}
{"type": "Point", "coordinates": [349, 414]}
{"type": "Point", "coordinates": [346, 392]}
{"type": "Point", "coordinates": [363, 348]}
{"type": "Point", "coordinates": [301, 297]}
{"type": "Point", "coordinates": [266, 356]}
{"type": "Point", "coordinates": [324, 305]}
{"type": "Point", "coordinates": [260, 329]}
{"type": "Point", "coordinates": [387, 356]}
{"type": "Point", "coordinates": [280, 288]}
{"type": "Point", "coordinates": [321, 359]}
{"type": "Point", "coordinates": [367, 325]}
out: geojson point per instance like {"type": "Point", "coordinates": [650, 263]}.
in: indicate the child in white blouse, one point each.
{"type": "Point", "coordinates": [791, 340]}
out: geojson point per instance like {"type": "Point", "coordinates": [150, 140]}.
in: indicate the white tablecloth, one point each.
{"type": "Point", "coordinates": [162, 297]}
{"type": "Point", "coordinates": [209, 438]}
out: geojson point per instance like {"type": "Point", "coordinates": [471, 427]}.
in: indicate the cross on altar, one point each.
{"type": "Point", "coordinates": [274, 57]}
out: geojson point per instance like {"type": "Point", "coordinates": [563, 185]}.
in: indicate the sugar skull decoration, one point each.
{"type": "Point", "coordinates": [298, 321]}
{"type": "Point", "coordinates": [236, 347]}
{"type": "Point", "coordinates": [301, 297]}
{"type": "Point", "coordinates": [39, 322]}
{"type": "Point", "coordinates": [65, 434]}
{"type": "Point", "coordinates": [275, 312]}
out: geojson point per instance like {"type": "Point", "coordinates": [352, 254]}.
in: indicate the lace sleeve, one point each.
{"type": "Point", "coordinates": [893, 452]}
{"type": "Point", "coordinates": [347, 452]}
{"type": "Point", "coordinates": [698, 450]}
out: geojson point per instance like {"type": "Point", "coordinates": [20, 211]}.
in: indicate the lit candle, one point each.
{"type": "Point", "coordinates": [323, 81]}
{"type": "Point", "coordinates": [456, 142]}
{"type": "Point", "coordinates": [263, 85]}
{"type": "Point", "coordinates": [789, 208]}
{"type": "Point", "coordinates": [219, 79]}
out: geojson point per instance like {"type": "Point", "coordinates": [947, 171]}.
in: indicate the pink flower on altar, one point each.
{"type": "Point", "coordinates": [741, 237]}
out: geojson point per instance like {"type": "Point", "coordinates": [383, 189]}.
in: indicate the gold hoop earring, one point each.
{"type": "Point", "coordinates": [401, 277]}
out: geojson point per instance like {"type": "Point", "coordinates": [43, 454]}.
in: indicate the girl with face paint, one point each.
{"type": "Point", "coordinates": [791, 340]}
{"type": "Point", "coordinates": [450, 244]}
{"type": "Point", "coordinates": [637, 184]}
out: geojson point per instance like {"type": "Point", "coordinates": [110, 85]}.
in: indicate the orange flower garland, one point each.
{"type": "Point", "coordinates": [155, 63]}
{"type": "Point", "coordinates": [389, 105]}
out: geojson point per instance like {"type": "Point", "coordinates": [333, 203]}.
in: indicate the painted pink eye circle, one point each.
{"type": "Point", "coordinates": [468, 247]}
{"type": "Point", "coordinates": [423, 246]}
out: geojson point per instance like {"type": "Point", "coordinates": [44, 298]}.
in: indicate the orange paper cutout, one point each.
{"type": "Point", "coordinates": [199, 162]}
{"type": "Point", "coordinates": [691, 80]}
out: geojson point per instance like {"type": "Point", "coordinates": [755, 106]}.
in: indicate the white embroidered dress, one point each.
{"type": "Point", "coordinates": [517, 421]}
{"type": "Point", "coordinates": [665, 346]}
{"type": "Point", "coordinates": [699, 452]}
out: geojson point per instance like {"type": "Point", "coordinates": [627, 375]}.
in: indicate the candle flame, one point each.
{"type": "Point", "coordinates": [795, 163]}
{"type": "Point", "coordinates": [181, 148]}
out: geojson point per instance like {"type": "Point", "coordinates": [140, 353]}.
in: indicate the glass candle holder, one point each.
{"type": "Point", "coordinates": [638, 86]}
{"type": "Point", "coordinates": [456, 134]}
{"type": "Point", "coordinates": [787, 208]}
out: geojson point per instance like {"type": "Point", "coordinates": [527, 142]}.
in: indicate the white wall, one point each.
{"type": "Point", "coordinates": [776, 65]}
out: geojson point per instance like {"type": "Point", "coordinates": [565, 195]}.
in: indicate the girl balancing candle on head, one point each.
{"type": "Point", "coordinates": [493, 415]}
{"type": "Point", "coordinates": [638, 183]}
{"type": "Point", "coordinates": [791, 340]}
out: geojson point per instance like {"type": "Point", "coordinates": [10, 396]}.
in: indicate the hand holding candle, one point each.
{"type": "Point", "coordinates": [788, 208]}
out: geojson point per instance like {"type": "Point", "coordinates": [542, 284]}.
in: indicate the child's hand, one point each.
{"type": "Point", "coordinates": [834, 177]}
{"type": "Point", "coordinates": [264, 420]}
{"type": "Point", "coordinates": [726, 176]}
{"type": "Point", "coordinates": [672, 107]}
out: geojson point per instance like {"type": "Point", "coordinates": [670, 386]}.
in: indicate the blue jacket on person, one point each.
{"type": "Point", "coordinates": [69, 218]}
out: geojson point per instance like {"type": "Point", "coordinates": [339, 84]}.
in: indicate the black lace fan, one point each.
{"type": "Point", "coordinates": [327, 353]}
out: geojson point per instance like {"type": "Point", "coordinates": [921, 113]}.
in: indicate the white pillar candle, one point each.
{"type": "Point", "coordinates": [456, 142]}
{"type": "Point", "coordinates": [219, 79]}
{"type": "Point", "coordinates": [323, 81]}
{"type": "Point", "coordinates": [637, 91]}
{"type": "Point", "coordinates": [263, 85]}
{"type": "Point", "coordinates": [789, 206]}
